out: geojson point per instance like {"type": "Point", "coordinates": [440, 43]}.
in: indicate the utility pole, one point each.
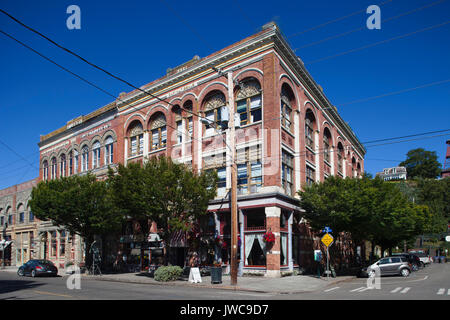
{"type": "Point", "coordinates": [234, 222]}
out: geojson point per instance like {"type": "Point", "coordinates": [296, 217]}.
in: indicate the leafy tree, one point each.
{"type": "Point", "coordinates": [168, 193]}
{"type": "Point", "coordinates": [80, 204]}
{"type": "Point", "coordinates": [421, 163]}
{"type": "Point", "coordinates": [368, 209]}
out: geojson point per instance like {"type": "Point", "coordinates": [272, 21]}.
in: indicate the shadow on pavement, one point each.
{"type": "Point", "coordinates": [7, 286]}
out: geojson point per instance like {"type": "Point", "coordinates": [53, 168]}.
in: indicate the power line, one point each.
{"type": "Point", "coordinates": [364, 27]}
{"type": "Point", "coordinates": [396, 92]}
{"type": "Point", "coordinates": [378, 43]}
{"type": "Point", "coordinates": [58, 65]}
{"type": "Point", "coordinates": [334, 20]}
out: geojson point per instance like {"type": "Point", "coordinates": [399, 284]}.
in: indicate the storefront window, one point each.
{"type": "Point", "coordinates": [255, 249]}
{"type": "Point", "coordinates": [54, 242]}
{"type": "Point", "coordinates": [62, 243]}
{"type": "Point", "coordinates": [283, 249]}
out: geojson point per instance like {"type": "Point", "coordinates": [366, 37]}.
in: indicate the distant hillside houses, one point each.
{"type": "Point", "coordinates": [395, 173]}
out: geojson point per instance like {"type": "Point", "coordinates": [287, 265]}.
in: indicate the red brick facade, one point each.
{"type": "Point", "coordinates": [142, 126]}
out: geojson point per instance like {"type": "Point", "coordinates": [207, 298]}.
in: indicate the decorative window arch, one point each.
{"type": "Point", "coordinates": [212, 110]}
{"type": "Point", "coordinates": [249, 101]}
{"type": "Point", "coordinates": [96, 148]}
{"type": "Point", "coordinates": [109, 150]}
{"type": "Point", "coordinates": [84, 158]}
{"type": "Point", "coordinates": [158, 131]}
{"type": "Point", "coordinates": [136, 134]}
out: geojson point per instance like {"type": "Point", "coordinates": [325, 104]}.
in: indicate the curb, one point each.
{"type": "Point", "coordinates": [228, 287]}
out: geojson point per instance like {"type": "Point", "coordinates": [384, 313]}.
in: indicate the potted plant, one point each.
{"type": "Point", "coordinates": [216, 272]}
{"type": "Point", "coordinates": [269, 237]}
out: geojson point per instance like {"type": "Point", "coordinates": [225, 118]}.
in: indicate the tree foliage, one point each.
{"type": "Point", "coordinates": [368, 209]}
{"type": "Point", "coordinates": [421, 163]}
{"type": "Point", "coordinates": [80, 204]}
{"type": "Point", "coordinates": [168, 193]}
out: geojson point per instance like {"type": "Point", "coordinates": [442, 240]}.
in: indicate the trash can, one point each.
{"type": "Point", "coordinates": [216, 274]}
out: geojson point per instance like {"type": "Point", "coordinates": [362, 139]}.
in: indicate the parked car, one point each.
{"type": "Point", "coordinates": [413, 259]}
{"type": "Point", "coordinates": [424, 258]}
{"type": "Point", "coordinates": [395, 265]}
{"type": "Point", "coordinates": [36, 268]}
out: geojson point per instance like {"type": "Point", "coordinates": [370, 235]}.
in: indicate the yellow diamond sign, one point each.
{"type": "Point", "coordinates": [327, 239]}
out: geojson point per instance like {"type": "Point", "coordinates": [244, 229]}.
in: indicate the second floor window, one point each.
{"type": "Point", "coordinates": [286, 109]}
{"type": "Point", "coordinates": [109, 150]}
{"type": "Point", "coordinates": [84, 159]}
{"type": "Point", "coordinates": [287, 170]}
{"type": "Point", "coordinates": [310, 175]}
{"type": "Point", "coordinates": [326, 148]}
{"type": "Point", "coordinates": [249, 170]}
{"type": "Point", "coordinates": [54, 168]}
{"type": "Point", "coordinates": [45, 170]}
{"type": "Point", "coordinates": [63, 163]}
{"type": "Point", "coordinates": [96, 155]}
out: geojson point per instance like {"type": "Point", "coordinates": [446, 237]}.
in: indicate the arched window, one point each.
{"type": "Point", "coordinates": [84, 159]}
{"type": "Point", "coordinates": [70, 163]}
{"type": "Point", "coordinates": [248, 101]}
{"type": "Point", "coordinates": [178, 123]}
{"type": "Point", "coordinates": [109, 151]}
{"type": "Point", "coordinates": [21, 213]}
{"type": "Point", "coordinates": [286, 107]}
{"type": "Point", "coordinates": [158, 131]}
{"type": "Point", "coordinates": [340, 156]}
{"type": "Point", "coordinates": [96, 154]}
{"type": "Point", "coordinates": [45, 170]}
{"type": "Point", "coordinates": [54, 168]}
{"type": "Point", "coordinates": [189, 122]}
{"type": "Point", "coordinates": [136, 134]}
{"type": "Point", "coordinates": [212, 110]}
{"type": "Point", "coordinates": [309, 129]}
{"type": "Point", "coordinates": [326, 145]}
{"type": "Point", "coordinates": [353, 167]}
{"type": "Point", "coordinates": [62, 163]}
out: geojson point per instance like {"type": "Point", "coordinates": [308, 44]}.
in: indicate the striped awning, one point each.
{"type": "Point", "coordinates": [178, 239]}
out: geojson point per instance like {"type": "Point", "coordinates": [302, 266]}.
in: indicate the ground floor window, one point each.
{"type": "Point", "coordinates": [284, 249]}
{"type": "Point", "coordinates": [255, 249]}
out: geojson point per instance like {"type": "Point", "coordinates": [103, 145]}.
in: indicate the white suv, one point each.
{"type": "Point", "coordinates": [425, 259]}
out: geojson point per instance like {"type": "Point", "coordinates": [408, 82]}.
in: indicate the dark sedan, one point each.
{"type": "Point", "coordinates": [37, 268]}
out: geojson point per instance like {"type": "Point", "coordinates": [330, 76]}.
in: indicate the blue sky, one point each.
{"type": "Point", "coordinates": [139, 40]}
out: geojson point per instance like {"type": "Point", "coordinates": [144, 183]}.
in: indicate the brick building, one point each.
{"type": "Point", "coordinates": [18, 226]}
{"type": "Point", "coordinates": [290, 135]}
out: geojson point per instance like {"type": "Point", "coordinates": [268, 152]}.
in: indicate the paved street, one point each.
{"type": "Point", "coordinates": [431, 283]}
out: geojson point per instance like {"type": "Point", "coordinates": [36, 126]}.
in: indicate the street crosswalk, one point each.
{"type": "Point", "coordinates": [398, 290]}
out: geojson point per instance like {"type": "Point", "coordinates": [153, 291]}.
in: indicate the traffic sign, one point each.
{"type": "Point", "coordinates": [327, 239]}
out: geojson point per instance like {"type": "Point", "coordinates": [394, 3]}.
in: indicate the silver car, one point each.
{"type": "Point", "coordinates": [390, 266]}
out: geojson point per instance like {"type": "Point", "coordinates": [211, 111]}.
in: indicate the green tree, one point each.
{"type": "Point", "coordinates": [80, 204]}
{"type": "Point", "coordinates": [421, 163]}
{"type": "Point", "coordinates": [168, 193]}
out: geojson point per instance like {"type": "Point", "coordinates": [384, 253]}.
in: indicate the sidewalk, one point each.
{"type": "Point", "coordinates": [261, 284]}
{"type": "Point", "coordinates": [284, 285]}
